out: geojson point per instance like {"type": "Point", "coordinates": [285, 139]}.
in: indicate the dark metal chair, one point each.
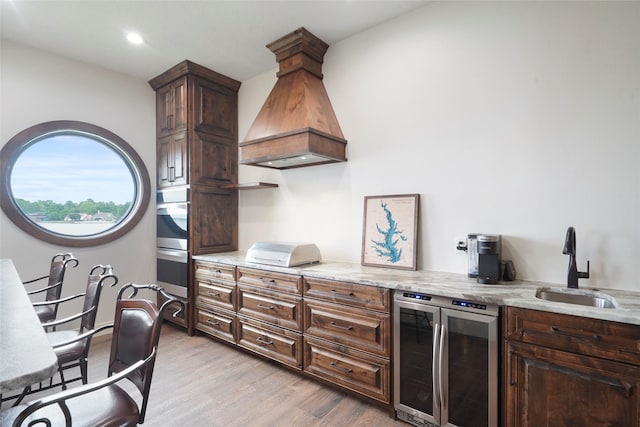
{"type": "Point", "coordinates": [48, 310]}
{"type": "Point", "coordinates": [136, 331]}
{"type": "Point", "coordinates": [72, 346]}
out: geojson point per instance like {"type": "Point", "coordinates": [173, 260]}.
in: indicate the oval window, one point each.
{"type": "Point", "coordinates": [73, 183]}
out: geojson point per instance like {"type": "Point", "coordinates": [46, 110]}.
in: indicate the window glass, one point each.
{"type": "Point", "coordinates": [73, 183]}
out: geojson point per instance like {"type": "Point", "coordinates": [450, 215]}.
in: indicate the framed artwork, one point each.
{"type": "Point", "coordinates": [389, 231]}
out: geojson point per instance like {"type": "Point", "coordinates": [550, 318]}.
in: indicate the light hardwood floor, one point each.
{"type": "Point", "coordinates": [200, 382]}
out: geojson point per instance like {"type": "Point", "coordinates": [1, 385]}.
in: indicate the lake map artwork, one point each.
{"type": "Point", "coordinates": [389, 235]}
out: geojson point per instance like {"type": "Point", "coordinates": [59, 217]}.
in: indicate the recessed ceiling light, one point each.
{"type": "Point", "coordinates": [135, 38]}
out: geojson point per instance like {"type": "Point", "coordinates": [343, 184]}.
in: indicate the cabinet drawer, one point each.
{"type": "Point", "coordinates": [601, 338]}
{"type": "Point", "coordinates": [276, 308]}
{"type": "Point", "coordinates": [365, 330]}
{"type": "Point", "coordinates": [270, 341]}
{"type": "Point", "coordinates": [216, 295]}
{"type": "Point", "coordinates": [357, 371]}
{"type": "Point", "coordinates": [269, 280]}
{"type": "Point", "coordinates": [168, 315]}
{"type": "Point", "coordinates": [218, 323]}
{"type": "Point", "coordinates": [369, 297]}
{"type": "Point", "coordinates": [212, 272]}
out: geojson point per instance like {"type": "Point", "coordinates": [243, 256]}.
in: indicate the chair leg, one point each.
{"type": "Point", "coordinates": [83, 370]}
{"type": "Point", "coordinates": [26, 391]}
{"type": "Point", "coordinates": [62, 382]}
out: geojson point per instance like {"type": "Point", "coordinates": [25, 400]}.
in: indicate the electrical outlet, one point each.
{"type": "Point", "coordinates": [461, 244]}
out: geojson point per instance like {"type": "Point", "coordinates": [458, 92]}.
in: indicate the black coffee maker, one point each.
{"type": "Point", "coordinates": [488, 247]}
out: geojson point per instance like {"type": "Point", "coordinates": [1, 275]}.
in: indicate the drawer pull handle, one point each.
{"type": "Point", "coordinates": [338, 368]}
{"type": "Point", "coordinates": [213, 294]}
{"type": "Point", "coordinates": [265, 342]}
{"type": "Point", "coordinates": [268, 307]}
{"type": "Point", "coordinates": [346, 328]}
{"type": "Point", "coordinates": [213, 322]}
{"type": "Point", "coordinates": [268, 281]}
{"type": "Point", "coordinates": [351, 294]}
{"type": "Point", "coordinates": [595, 338]}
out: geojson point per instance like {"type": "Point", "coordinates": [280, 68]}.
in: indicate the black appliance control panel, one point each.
{"type": "Point", "coordinates": [453, 303]}
{"type": "Point", "coordinates": [414, 295]}
{"type": "Point", "coordinates": [467, 304]}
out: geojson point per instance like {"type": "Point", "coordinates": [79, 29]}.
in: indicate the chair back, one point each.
{"type": "Point", "coordinates": [98, 277]}
{"type": "Point", "coordinates": [59, 264]}
{"type": "Point", "coordinates": [136, 332]}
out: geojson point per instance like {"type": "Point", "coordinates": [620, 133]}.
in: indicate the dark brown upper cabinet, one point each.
{"type": "Point", "coordinates": [197, 126]}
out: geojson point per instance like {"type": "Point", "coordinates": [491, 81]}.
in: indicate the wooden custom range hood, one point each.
{"type": "Point", "coordinates": [297, 125]}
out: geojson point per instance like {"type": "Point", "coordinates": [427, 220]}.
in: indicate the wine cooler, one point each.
{"type": "Point", "coordinates": [445, 361]}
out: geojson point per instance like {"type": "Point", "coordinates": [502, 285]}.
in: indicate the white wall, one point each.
{"type": "Point", "coordinates": [508, 117]}
{"type": "Point", "coordinates": [516, 118]}
{"type": "Point", "coordinates": [37, 87]}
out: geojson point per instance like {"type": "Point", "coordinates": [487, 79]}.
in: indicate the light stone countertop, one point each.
{"type": "Point", "coordinates": [26, 357]}
{"type": "Point", "coordinates": [517, 293]}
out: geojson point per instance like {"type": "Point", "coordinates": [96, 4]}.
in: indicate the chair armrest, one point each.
{"type": "Point", "coordinates": [68, 319]}
{"type": "Point", "coordinates": [80, 337]}
{"type": "Point", "coordinates": [57, 301]}
{"type": "Point", "coordinates": [61, 397]}
{"type": "Point", "coordinates": [34, 280]}
{"type": "Point", "coordinates": [37, 291]}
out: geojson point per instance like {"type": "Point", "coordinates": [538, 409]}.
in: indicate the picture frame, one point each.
{"type": "Point", "coordinates": [390, 227]}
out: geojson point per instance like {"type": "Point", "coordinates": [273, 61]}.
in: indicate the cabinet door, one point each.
{"type": "Point", "coordinates": [172, 160]}
{"type": "Point", "coordinates": [214, 160]}
{"type": "Point", "coordinates": [164, 161]}
{"type": "Point", "coordinates": [215, 109]}
{"type": "Point", "coordinates": [171, 108]}
{"type": "Point", "coordinates": [214, 220]}
{"type": "Point", "coordinates": [547, 387]}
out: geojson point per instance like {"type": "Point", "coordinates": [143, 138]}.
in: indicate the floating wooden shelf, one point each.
{"type": "Point", "coordinates": [249, 186]}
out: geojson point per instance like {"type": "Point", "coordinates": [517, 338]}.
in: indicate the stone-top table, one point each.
{"type": "Point", "coordinates": [26, 356]}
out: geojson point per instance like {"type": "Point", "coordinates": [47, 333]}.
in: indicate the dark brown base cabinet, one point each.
{"type": "Point", "coordinates": [338, 333]}
{"type": "Point", "coordinates": [348, 336]}
{"type": "Point", "coordinates": [567, 371]}
{"type": "Point", "coordinates": [215, 300]}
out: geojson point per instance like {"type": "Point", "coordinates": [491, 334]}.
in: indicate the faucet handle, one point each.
{"type": "Point", "coordinates": [584, 274]}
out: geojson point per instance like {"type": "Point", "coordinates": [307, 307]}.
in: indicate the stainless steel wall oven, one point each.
{"type": "Point", "coordinates": [172, 240]}
{"type": "Point", "coordinates": [445, 361]}
{"type": "Point", "coordinates": [173, 271]}
{"type": "Point", "coordinates": [172, 217]}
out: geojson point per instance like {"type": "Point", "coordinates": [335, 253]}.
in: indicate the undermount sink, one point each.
{"type": "Point", "coordinates": [587, 298]}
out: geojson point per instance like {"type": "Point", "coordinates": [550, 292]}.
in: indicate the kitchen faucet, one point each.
{"type": "Point", "coordinates": [570, 249]}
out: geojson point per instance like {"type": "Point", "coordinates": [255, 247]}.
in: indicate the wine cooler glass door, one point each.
{"type": "Point", "coordinates": [469, 366]}
{"type": "Point", "coordinates": [415, 335]}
